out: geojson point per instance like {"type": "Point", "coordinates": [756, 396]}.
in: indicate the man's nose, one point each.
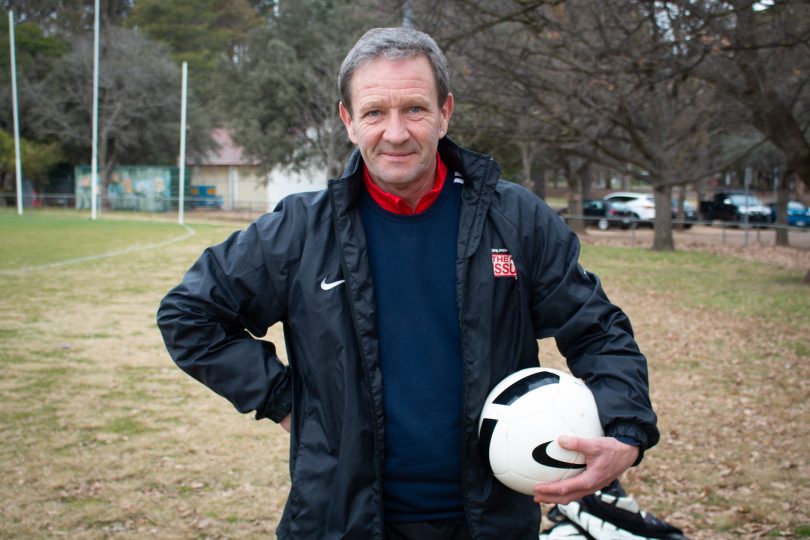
{"type": "Point", "coordinates": [396, 131]}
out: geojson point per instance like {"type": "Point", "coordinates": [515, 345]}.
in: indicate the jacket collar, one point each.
{"type": "Point", "coordinates": [480, 173]}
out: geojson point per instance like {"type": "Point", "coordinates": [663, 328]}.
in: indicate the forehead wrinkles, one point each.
{"type": "Point", "coordinates": [387, 83]}
{"type": "Point", "coordinates": [393, 80]}
{"type": "Point", "coordinates": [383, 95]}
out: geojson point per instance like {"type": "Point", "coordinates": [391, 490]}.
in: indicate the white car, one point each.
{"type": "Point", "coordinates": [641, 204]}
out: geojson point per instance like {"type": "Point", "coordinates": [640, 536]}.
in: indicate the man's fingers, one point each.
{"type": "Point", "coordinates": [565, 491]}
{"type": "Point", "coordinates": [565, 487]}
{"type": "Point", "coordinates": [569, 443]}
{"type": "Point", "coordinates": [578, 444]}
{"type": "Point", "coordinates": [560, 493]}
{"type": "Point", "coordinates": [605, 459]}
{"type": "Point", "coordinates": [561, 499]}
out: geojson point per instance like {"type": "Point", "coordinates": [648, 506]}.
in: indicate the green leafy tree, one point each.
{"type": "Point", "coordinates": [283, 104]}
{"type": "Point", "coordinates": [37, 160]}
{"type": "Point", "coordinates": [204, 33]}
{"type": "Point", "coordinates": [265, 7]}
{"type": "Point", "coordinates": [67, 17]}
{"type": "Point", "coordinates": [35, 52]}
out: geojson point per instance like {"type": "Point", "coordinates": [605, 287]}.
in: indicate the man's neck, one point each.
{"type": "Point", "coordinates": [413, 199]}
{"type": "Point", "coordinates": [412, 193]}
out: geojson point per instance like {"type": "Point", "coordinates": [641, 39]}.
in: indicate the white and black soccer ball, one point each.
{"type": "Point", "coordinates": [522, 419]}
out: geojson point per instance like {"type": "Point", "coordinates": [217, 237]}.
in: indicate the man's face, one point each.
{"type": "Point", "coordinates": [396, 122]}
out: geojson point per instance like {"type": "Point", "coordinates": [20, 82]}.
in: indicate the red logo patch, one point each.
{"type": "Point", "coordinates": [503, 265]}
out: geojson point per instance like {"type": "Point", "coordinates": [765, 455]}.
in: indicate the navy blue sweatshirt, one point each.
{"type": "Point", "coordinates": [413, 268]}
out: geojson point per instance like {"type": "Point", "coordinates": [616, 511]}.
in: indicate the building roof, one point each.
{"type": "Point", "coordinates": [225, 152]}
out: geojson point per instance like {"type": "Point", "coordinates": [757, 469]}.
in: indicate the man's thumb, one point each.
{"type": "Point", "coordinates": [568, 442]}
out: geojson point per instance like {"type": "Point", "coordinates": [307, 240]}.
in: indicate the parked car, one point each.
{"type": "Point", "coordinates": [689, 212]}
{"type": "Point", "coordinates": [798, 215]}
{"type": "Point", "coordinates": [642, 205]}
{"type": "Point", "coordinates": [735, 206]}
{"type": "Point", "coordinates": [604, 214]}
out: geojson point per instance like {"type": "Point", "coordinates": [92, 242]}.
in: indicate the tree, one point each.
{"type": "Point", "coordinates": [67, 17]}
{"type": "Point", "coordinates": [757, 56]}
{"type": "Point", "coordinates": [138, 101]}
{"type": "Point", "coordinates": [284, 101]}
{"type": "Point", "coordinates": [37, 160]}
{"type": "Point", "coordinates": [597, 78]}
{"type": "Point", "coordinates": [34, 54]}
{"type": "Point", "coordinates": [204, 33]}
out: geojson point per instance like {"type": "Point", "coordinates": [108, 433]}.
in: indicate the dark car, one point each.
{"type": "Point", "coordinates": [604, 214]}
{"type": "Point", "coordinates": [689, 213]}
{"type": "Point", "coordinates": [735, 206]}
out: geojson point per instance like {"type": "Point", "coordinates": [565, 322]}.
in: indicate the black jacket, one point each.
{"type": "Point", "coordinates": [274, 271]}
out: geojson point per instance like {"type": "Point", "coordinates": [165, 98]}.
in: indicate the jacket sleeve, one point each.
{"type": "Point", "coordinates": [593, 334]}
{"type": "Point", "coordinates": [236, 290]}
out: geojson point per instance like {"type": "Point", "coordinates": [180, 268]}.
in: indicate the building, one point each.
{"type": "Point", "coordinates": [238, 181]}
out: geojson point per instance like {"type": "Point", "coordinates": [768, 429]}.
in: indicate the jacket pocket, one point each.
{"type": "Point", "coordinates": [312, 479]}
{"type": "Point", "coordinates": [298, 455]}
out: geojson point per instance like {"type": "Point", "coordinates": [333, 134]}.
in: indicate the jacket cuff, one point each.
{"type": "Point", "coordinates": [629, 431]}
{"type": "Point", "coordinates": [279, 405]}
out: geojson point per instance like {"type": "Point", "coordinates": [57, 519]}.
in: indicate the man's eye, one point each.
{"type": "Point", "coordinates": [415, 109]}
{"type": "Point", "coordinates": [373, 113]}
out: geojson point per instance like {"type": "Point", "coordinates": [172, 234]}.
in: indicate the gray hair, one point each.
{"type": "Point", "coordinates": [397, 43]}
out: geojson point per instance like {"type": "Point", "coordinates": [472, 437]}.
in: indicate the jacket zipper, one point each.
{"type": "Point", "coordinates": [462, 307]}
{"type": "Point", "coordinates": [364, 364]}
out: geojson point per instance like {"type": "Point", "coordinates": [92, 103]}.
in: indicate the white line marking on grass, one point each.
{"type": "Point", "coordinates": [189, 233]}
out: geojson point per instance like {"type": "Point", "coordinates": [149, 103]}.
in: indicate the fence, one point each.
{"type": "Point", "coordinates": [713, 232]}
{"type": "Point", "coordinates": [733, 233]}
{"type": "Point", "coordinates": [192, 203]}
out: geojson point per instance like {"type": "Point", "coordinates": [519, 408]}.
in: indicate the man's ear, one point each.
{"type": "Point", "coordinates": [346, 117]}
{"type": "Point", "coordinates": [446, 112]}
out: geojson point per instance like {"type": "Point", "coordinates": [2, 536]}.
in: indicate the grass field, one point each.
{"type": "Point", "coordinates": [101, 435]}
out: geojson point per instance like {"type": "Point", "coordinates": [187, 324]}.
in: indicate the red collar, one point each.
{"type": "Point", "coordinates": [397, 205]}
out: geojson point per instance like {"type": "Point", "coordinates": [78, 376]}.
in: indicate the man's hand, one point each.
{"type": "Point", "coordinates": [285, 422]}
{"type": "Point", "coordinates": [606, 459]}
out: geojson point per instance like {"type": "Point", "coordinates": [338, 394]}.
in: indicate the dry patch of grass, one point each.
{"type": "Point", "coordinates": [731, 394]}
{"type": "Point", "coordinates": [101, 435]}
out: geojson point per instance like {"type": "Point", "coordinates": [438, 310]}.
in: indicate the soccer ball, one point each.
{"type": "Point", "coordinates": [522, 418]}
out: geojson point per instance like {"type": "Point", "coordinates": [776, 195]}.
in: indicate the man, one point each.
{"type": "Point", "coordinates": [398, 323]}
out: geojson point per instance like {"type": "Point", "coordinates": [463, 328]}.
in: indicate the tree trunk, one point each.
{"type": "Point", "coordinates": [574, 200]}
{"type": "Point", "coordinates": [540, 183]}
{"type": "Point", "coordinates": [526, 158]}
{"type": "Point", "coordinates": [782, 197]}
{"type": "Point", "coordinates": [680, 215]}
{"type": "Point", "coordinates": [771, 115]}
{"type": "Point", "coordinates": [662, 238]}
{"type": "Point", "coordinates": [700, 193]}
{"type": "Point", "coordinates": [782, 129]}
{"type": "Point", "coordinates": [585, 180]}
